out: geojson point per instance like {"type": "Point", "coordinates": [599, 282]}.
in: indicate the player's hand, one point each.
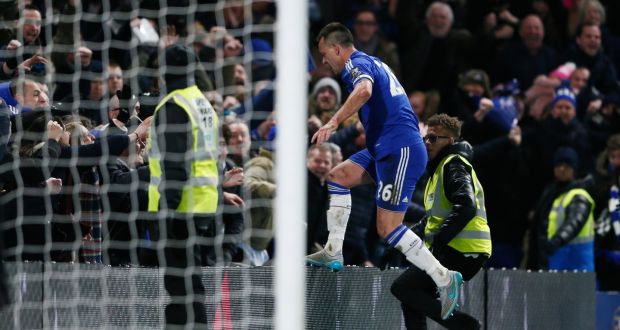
{"type": "Point", "coordinates": [324, 132]}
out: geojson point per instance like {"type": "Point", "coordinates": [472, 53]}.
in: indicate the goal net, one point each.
{"type": "Point", "coordinates": [126, 199]}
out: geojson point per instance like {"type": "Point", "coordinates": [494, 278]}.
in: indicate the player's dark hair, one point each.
{"type": "Point", "coordinates": [452, 124]}
{"type": "Point", "coordinates": [336, 33]}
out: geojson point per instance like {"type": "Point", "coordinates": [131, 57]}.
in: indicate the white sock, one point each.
{"type": "Point", "coordinates": [418, 254]}
{"type": "Point", "coordinates": [337, 216]}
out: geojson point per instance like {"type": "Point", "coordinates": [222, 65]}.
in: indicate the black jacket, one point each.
{"type": "Point", "coordinates": [32, 204]}
{"type": "Point", "coordinates": [121, 179]}
{"type": "Point", "coordinates": [459, 190]}
{"type": "Point", "coordinates": [316, 213]}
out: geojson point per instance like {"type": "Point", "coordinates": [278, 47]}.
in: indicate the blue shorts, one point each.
{"type": "Point", "coordinates": [395, 172]}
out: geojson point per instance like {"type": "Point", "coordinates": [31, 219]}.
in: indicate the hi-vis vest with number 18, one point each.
{"type": "Point", "coordinates": [200, 193]}
{"type": "Point", "coordinates": [476, 236]}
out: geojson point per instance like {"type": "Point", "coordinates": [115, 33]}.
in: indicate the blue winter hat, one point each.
{"type": "Point", "coordinates": [566, 155]}
{"type": "Point", "coordinates": [6, 95]}
{"type": "Point", "coordinates": [564, 93]}
{"type": "Point", "coordinates": [262, 52]}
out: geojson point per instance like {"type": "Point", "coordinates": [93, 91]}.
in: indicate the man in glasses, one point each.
{"type": "Point", "coordinates": [455, 227]}
{"type": "Point", "coordinates": [367, 38]}
{"type": "Point", "coordinates": [394, 159]}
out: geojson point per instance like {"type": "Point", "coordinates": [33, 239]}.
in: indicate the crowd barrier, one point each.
{"type": "Point", "coordinates": [80, 296]}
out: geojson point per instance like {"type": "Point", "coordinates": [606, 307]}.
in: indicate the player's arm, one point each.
{"type": "Point", "coordinates": [358, 97]}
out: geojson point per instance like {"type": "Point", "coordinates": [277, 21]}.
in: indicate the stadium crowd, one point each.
{"type": "Point", "coordinates": [534, 82]}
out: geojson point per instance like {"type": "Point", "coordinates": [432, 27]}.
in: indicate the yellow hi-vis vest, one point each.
{"type": "Point", "coordinates": [476, 236]}
{"type": "Point", "coordinates": [200, 193]}
{"type": "Point", "coordinates": [558, 214]}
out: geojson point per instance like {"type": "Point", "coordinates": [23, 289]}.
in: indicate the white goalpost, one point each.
{"type": "Point", "coordinates": [290, 206]}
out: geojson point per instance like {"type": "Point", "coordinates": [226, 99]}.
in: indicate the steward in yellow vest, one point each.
{"type": "Point", "coordinates": [191, 136]}
{"type": "Point", "coordinates": [455, 227]}
{"type": "Point", "coordinates": [564, 219]}
{"type": "Point", "coordinates": [183, 190]}
{"type": "Point", "coordinates": [453, 197]}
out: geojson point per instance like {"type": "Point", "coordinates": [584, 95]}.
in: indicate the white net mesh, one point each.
{"type": "Point", "coordinates": [119, 180]}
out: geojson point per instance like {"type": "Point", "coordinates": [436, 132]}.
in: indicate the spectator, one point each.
{"type": "Point", "coordinates": [318, 162]}
{"type": "Point", "coordinates": [115, 78]}
{"type": "Point", "coordinates": [526, 59]}
{"type": "Point", "coordinates": [473, 107]}
{"type": "Point", "coordinates": [367, 38]}
{"type": "Point", "coordinates": [92, 105]}
{"type": "Point", "coordinates": [592, 11]}
{"type": "Point", "coordinates": [21, 95]}
{"type": "Point", "coordinates": [126, 178]}
{"type": "Point", "coordinates": [29, 43]}
{"type": "Point", "coordinates": [542, 91]}
{"type": "Point", "coordinates": [579, 79]}
{"type": "Point", "coordinates": [325, 99]}
{"type": "Point", "coordinates": [238, 142]}
{"type": "Point", "coordinates": [118, 117]}
{"type": "Point", "coordinates": [561, 128]}
{"type": "Point", "coordinates": [587, 52]}
{"type": "Point", "coordinates": [424, 104]}
{"type": "Point", "coordinates": [588, 99]}
{"type": "Point", "coordinates": [260, 186]}
{"type": "Point", "coordinates": [75, 163]}
{"type": "Point", "coordinates": [78, 62]}
{"type": "Point", "coordinates": [440, 53]}
{"type": "Point", "coordinates": [89, 208]}
{"type": "Point", "coordinates": [38, 150]}
{"type": "Point", "coordinates": [336, 153]}
{"type": "Point", "coordinates": [232, 221]}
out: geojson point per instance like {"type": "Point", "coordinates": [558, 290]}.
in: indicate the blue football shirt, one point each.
{"type": "Point", "coordinates": [387, 117]}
